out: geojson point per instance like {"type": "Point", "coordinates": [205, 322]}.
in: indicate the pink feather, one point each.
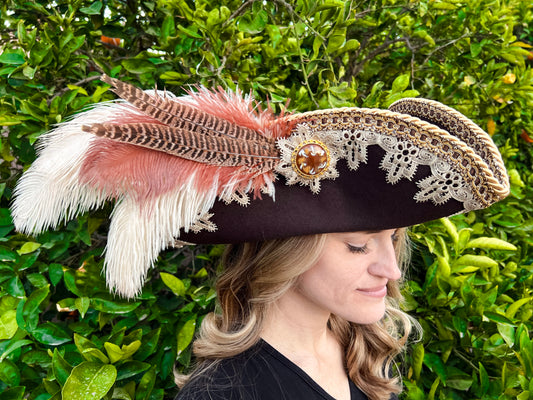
{"type": "Point", "coordinates": [118, 168]}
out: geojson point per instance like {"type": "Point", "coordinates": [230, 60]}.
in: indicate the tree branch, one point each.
{"type": "Point", "coordinates": [79, 83]}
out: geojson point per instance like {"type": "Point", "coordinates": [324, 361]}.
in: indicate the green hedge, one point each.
{"type": "Point", "coordinates": [62, 335]}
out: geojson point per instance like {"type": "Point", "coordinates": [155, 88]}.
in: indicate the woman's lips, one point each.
{"type": "Point", "coordinates": [378, 291]}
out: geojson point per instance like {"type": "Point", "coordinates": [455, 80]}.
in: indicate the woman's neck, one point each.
{"type": "Point", "coordinates": [298, 329]}
{"type": "Point", "coordinates": [295, 326]}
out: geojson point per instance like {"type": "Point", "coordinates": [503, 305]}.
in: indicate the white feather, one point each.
{"type": "Point", "coordinates": [137, 235]}
{"type": "Point", "coordinates": [50, 192]}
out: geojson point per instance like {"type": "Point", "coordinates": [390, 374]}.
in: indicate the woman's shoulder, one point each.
{"type": "Point", "coordinates": [227, 379]}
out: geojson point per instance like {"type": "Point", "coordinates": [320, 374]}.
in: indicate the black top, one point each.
{"type": "Point", "coordinates": [260, 373]}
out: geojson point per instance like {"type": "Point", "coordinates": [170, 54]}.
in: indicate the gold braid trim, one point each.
{"type": "Point", "coordinates": [481, 179]}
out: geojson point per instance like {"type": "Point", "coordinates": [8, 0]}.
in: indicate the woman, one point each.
{"type": "Point", "coordinates": [311, 204]}
{"type": "Point", "coordinates": [302, 318]}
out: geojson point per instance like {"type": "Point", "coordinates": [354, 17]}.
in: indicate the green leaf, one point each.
{"type": "Point", "coordinates": [82, 304]}
{"type": "Point", "coordinates": [55, 272]}
{"type": "Point", "coordinates": [168, 28]}
{"type": "Point", "coordinates": [37, 280]}
{"type": "Point", "coordinates": [443, 5]}
{"type": "Point", "coordinates": [149, 346]}
{"type": "Point", "coordinates": [61, 368]}
{"type": "Point", "coordinates": [413, 392]}
{"type": "Point", "coordinates": [461, 382]}
{"type": "Point", "coordinates": [138, 66]}
{"type": "Point", "coordinates": [435, 364]}
{"type": "Point", "coordinates": [336, 40]}
{"type": "Point", "coordinates": [12, 58]}
{"type": "Point", "coordinates": [490, 243]}
{"type": "Point", "coordinates": [443, 267]}
{"type": "Point", "coordinates": [30, 310]}
{"type": "Point", "coordinates": [121, 393]}
{"type": "Point", "coordinates": [14, 393]}
{"type": "Point", "coordinates": [507, 332]}
{"type": "Point", "coordinates": [400, 83]}
{"type": "Point", "coordinates": [88, 349]}
{"type": "Point", "coordinates": [50, 334]}
{"type": "Point", "coordinates": [7, 254]}
{"type": "Point", "coordinates": [418, 359]}
{"type": "Point", "coordinates": [14, 345]}
{"type": "Point", "coordinates": [93, 9]}
{"type": "Point", "coordinates": [475, 48]}
{"type": "Point", "coordinates": [476, 261]}
{"type": "Point", "coordinates": [499, 318]}
{"type": "Point", "coordinates": [189, 32]}
{"type": "Point", "coordinates": [8, 324]}
{"type": "Point", "coordinates": [9, 372]}
{"type": "Point", "coordinates": [317, 44]}
{"type": "Point", "coordinates": [450, 228]}
{"type": "Point", "coordinates": [186, 334]}
{"type": "Point", "coordinates": [173, 283]}
{"type": "Point", "coordinates": [174, 76]}
{"type": "Point", "coordinates": [131, 368]}
{"type": "Point", "coordinates": [484, 380]}
{"type": "Point", "coordinates": [128, 350]}
{"type": "Point", "coordinates": [253, 24]}
{"type": "Point", "coordinates": [89, 381]}
{"type": "Point", "coordinates": [94, 354]}
{"type": "Point", "coordinates": [15, 288]}
{"type": "Point", "coordinates": [115, 353]}
{"type": "Point", "coordinates": [350, 46]}
{"type": "Point", "coordinates": [114, 307]}
{"type": "Point", "coordinates": [146, 385]}
{"type": "Point", "coordinates": [513, 308]}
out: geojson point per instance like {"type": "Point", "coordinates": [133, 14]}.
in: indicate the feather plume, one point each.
{"type": "Point", "coordinates": [161, 169]}
{"type": "Point", "coordinates": [50, 191]}
{"type": "Point", "coordinates": [188, 144]}
{"type": "Point", "coordinates": [177, 114]}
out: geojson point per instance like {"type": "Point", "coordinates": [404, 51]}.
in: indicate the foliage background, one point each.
{"type": "Point", "coordinates": [62, 335]}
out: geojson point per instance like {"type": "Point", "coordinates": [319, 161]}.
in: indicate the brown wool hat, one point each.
{"type": "Point", "coordinates": [212, 167]}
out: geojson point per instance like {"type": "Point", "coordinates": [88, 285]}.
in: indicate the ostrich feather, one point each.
{"type": "Point", "coordinates": [138, 233]}
{"type": "Point", "coordinates": [50, 191]}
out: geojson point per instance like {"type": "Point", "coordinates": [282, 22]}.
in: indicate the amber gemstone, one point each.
{"type": "Point", "coordinates": [312, 159]}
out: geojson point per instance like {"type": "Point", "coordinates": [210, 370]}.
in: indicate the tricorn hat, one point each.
{"type": "Point", "coordinates": [213, 167]}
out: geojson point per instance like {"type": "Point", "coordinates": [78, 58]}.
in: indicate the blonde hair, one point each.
{"type": "Point", "coordinates": [255, 275]}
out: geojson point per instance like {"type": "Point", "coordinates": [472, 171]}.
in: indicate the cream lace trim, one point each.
{"type": "Point", "coordinates": [401, 161]}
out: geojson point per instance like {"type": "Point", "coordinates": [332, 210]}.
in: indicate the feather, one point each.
{"type": "Point", "coordinates": [176, 114]}
{"type": "Point", "coordinates": [222, 151]}
{"type": "Point", "coordinates": [50, 191]}
{"type": "Point", "coordinates": [157, 194]}
{"type": "Point", "coordinates": [138, 234]}
{"type": "Point", "coordinates": [117, 168]}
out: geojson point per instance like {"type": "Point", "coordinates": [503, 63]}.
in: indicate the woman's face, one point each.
{"type": "Point", "coordinates": [350, 277]}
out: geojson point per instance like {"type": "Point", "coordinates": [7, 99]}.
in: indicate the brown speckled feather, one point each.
{"type": "Point", "coordinates": [191, 144]}
{"type": "Point", "coordinates": [176, 114]}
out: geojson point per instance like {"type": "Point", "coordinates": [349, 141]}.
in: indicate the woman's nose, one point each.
{"type": "Point", "coordinates": [386, 263]}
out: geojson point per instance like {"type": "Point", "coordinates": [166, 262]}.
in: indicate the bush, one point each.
{"type": "Point", "coordinates": [471, 280]}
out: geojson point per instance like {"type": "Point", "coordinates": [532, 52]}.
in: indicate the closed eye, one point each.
{"type": "Point", "coordinates": [357, 249]}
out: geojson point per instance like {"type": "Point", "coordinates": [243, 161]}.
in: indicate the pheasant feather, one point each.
{"type": "Point", "coordinates": [191, 145]}
{"type": "Point", "coordinates": [177, 114]}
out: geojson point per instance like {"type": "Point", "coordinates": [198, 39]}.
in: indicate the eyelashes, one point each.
{"type": "Point", "coordinates": [357, 249]}
{"type": "Point", "coordinates": [364, 249]}
{"type": "Point", "coordinates": [395, 236]}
